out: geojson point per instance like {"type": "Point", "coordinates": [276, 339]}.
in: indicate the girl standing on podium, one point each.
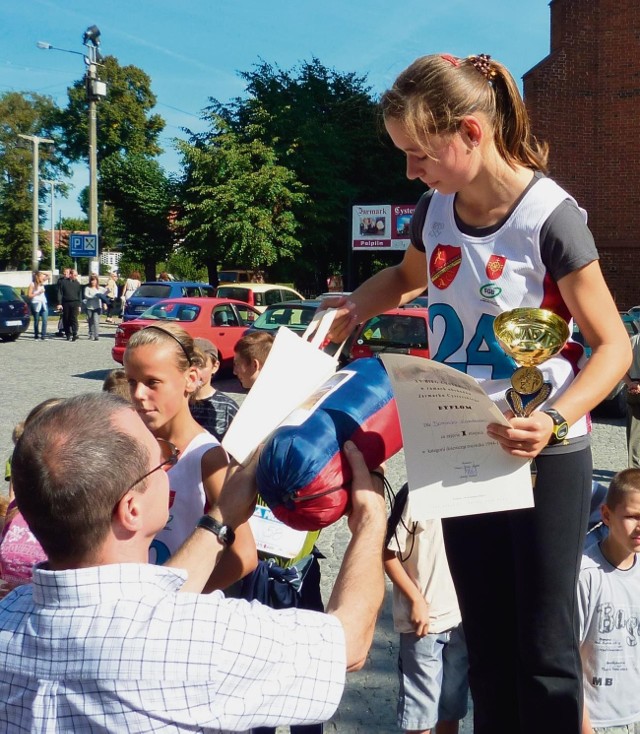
{"type": "Point", "coordinates": [493, 233]}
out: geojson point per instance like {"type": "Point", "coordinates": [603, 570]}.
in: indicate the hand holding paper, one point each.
{"type": "Point", "coordinates": [453, 466]}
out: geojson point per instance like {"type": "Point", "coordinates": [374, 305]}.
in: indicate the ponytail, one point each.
{"type": "Point", "coordinates": [434, 94]}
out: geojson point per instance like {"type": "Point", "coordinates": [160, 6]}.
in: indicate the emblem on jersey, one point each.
{"type": "Point", "coordinates": [444, 265]}
{"type": "Point", "coordinates": [489, 290]}
{"type": "Point", "coordinates": [436, 229]}
{"type": "Point", "coordinates": [495, 266]}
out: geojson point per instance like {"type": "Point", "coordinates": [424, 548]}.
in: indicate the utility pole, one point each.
{"type": "Point", "coordinates": [35, 223]}
{"type": "Point", "coordinates": [53, 227]}
{"type": "Point", "coordinates": [95, 90]}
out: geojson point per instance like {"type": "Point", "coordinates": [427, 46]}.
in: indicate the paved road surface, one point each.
{"type": "Point", "coordinates": [31, 371]}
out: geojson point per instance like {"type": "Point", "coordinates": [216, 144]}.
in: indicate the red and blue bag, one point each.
{"type": "Point", "coordinates": [302, 474]}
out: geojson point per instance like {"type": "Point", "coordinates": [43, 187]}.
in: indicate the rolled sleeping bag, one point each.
{"type": "Point", "coordinates": [302, 475]}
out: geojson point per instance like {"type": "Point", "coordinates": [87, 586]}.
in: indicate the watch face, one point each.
{"type": "Point", "coordinates": [227, 535]}
{"type": "Point", "coordinates": [562, 430]}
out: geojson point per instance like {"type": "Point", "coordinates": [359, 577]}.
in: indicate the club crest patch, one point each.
{"type": "Point", "coordinates": [495, 266]}
{"type": "Point", "coordinates": [444, 265]}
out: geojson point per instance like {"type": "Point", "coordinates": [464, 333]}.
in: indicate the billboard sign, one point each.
{"type": "Point", "coordinates": [381, 226]}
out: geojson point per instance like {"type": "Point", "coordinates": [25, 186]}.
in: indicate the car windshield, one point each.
{"type": "Point", "coordinates": [174, 311]}
{"type": "Point", "coordinates": [395, 331]}
{"type": "Point", "coordinates": [295, 317]}
{"type": "Point", "coordinates": [236, 294]}
{"type": "Point", "coordinates": [8, 294]}
{"type": "Point", "coordinates": [152, 290]}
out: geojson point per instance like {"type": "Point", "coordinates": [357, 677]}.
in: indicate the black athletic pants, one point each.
{"type": "Point", "coordinates": [516, 575]}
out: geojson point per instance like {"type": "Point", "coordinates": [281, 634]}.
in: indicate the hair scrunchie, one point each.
{"type": "Point", "coordinates": [482, 63]}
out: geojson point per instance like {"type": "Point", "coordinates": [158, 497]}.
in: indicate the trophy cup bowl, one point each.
{"type": "Point", "coordinates": [530, 336]}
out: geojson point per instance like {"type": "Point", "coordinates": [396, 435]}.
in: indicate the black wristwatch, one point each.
{"type": "Point", "coordinates": [560, 427]}
{"type": "Point", "coordinates": [224, 533]}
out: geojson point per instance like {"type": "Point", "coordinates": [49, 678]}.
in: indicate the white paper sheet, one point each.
{"type": "Point", "coordinates": [291, 373]}
{"type": "Point", "coordinates": [453, 467]}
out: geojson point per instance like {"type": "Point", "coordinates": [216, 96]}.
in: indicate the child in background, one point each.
{"type": "Point", "coordinates": [609, 604]}
{"type": "Point", "coordinates": [19, 548]}
{"type": "Point", "coordinates": [432, 660]}
{"type": "Point", "coordinates": [250, 354]}
{"type": "Point", "coordinates": [116, 382]}
{"type": "Point", "coordinates": [213, 410]}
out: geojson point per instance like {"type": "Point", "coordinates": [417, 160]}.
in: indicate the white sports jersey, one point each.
{"type": "Point", "coordinates": [472, 279]}
{"type": "Point", "coordinates": [187, 499]}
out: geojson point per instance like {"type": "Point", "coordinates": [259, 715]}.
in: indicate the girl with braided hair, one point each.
{"type": "Point", "coordinates": [492, 234]}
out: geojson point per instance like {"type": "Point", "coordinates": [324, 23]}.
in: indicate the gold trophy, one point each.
{"type": "Point", "coordinates": [530, 336]}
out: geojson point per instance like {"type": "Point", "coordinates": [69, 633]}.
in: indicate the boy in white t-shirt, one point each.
{"type": "Point", "coordinates": [609, 602]}
{"type": "Point", "coordinates": [432, 661]}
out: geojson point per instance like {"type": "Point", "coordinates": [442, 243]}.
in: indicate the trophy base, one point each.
{"type": "Point", "coordinates": [524, 405]}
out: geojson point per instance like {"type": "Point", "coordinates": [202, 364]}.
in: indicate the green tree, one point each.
{"type": "Point", "coordinates": [28, 114]}
{"type": "Point", "coordinates": [142, 197]}
{"type": "Point", "coordinates": [125, 122]}
{"type": "Point", "coordinates": [238, 200]}
{"type": "Point", "coordinates": [326, 127]}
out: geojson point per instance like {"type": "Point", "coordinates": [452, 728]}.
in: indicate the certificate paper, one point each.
{"type": "Point", "coordinates": [453, 467]}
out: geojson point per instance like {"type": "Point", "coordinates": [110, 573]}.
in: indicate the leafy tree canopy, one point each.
{"type": "Point", "coordinates": [238, 199]}
{"type": "Point", "coordinates": [28, 114]}
{"type": "Point", "coordinates": [125, 123]}
{"type": "Point", "coordinates": [142, 196]}
{"type": "Point", "coordinates": [327, 129]}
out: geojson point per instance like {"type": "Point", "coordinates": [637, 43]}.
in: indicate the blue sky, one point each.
{"type": "Point", "coordinates": [194, 49]}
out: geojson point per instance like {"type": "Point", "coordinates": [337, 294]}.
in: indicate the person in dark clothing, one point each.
{"type": "Point", "coordinates": [64, 276]}
{"type": "Point", "coordinates": [69, 299]}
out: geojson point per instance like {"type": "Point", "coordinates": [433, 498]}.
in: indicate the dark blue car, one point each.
{"type": "Point", "coordinates": [153, 291]}
{"type": "Point", "coordinates": [14, 314]}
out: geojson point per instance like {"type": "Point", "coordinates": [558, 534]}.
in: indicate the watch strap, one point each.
{"type": "Point", "coordinates": [223, 532]}
{"type": "Point", "coordinates": [560, 426]}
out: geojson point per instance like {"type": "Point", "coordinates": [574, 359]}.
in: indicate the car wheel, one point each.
{"type": "Point", "coordinates": [9, 337]}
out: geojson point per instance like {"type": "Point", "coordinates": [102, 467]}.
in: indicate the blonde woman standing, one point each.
{"type": "Point", "coordinates": [38, 303]}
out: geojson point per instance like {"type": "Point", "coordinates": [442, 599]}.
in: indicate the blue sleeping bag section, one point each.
{"type": "Point", "coordinates": [302, 474]}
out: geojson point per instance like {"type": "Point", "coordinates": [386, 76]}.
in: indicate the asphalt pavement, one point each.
{"type": "Point", "coordinates": [31, 371]}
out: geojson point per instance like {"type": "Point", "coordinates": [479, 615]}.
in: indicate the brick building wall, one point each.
{"type": "Point", "coordinates": [584, 100]}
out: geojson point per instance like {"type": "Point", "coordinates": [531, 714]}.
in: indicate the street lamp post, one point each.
{"type": "Point", "coordinates": [95, 90]}
{"type": "Point", "coordinates": [35, 140]}
{"type": "Point", "coordinates": [52, 184]}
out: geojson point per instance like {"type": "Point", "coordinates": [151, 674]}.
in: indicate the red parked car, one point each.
{"type": "Point", "coordinates": [399, 331]}
{"type": "Point", "coordinates": [221, 320]}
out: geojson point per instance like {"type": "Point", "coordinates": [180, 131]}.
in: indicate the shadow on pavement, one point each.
{"type": "Point", "coordinates": [93, 374]}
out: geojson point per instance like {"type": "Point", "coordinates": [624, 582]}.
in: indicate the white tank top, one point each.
{"type": "Point", "coordinates": [472, 279]}
{"type": "Point", "coordinates": [187, 499]}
